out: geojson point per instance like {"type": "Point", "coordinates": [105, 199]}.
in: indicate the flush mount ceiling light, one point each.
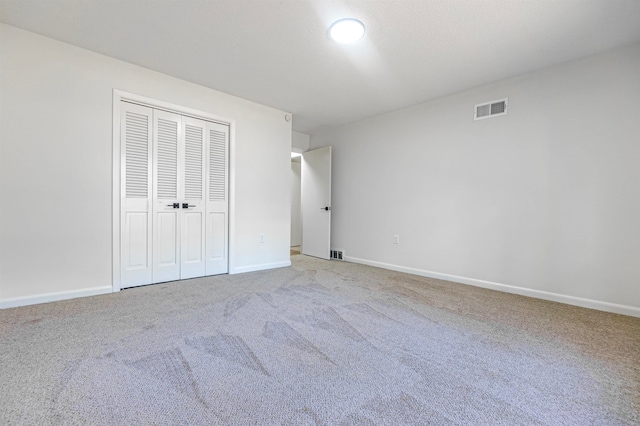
{"type": "Point", "coordinates": [347, 30]}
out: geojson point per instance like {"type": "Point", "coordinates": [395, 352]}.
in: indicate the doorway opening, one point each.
{"type": "Point", "coordinates": [296, 204]}
{"type": "Point", "coordinates": [311, 203]}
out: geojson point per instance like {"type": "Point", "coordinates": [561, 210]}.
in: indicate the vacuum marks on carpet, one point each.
{"type": "Point", "coordinates": [365, 308]}
{"type": "Point", "coordinates": [328, 319]}
{"type": "Point", "coordinates": [170, 366]}
{"type": "Point", "coordinates": [281, 332]}
{"type": "Point", "coordinates": [401, 409]}
{"type": "Point", "coordinates": [267, 298]}
{"type": "Point", "coordinates": [156, 389]}
{"type": "Point", "coordinates": [304, 416]}
{"type": "Point", "coordinates": [235, 304]}
{"type": "Point", "coordinates": [230, 348]}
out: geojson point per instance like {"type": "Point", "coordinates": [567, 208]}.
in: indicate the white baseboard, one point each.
{"type": "Point", "coordinates": [539, 294]}
{"type": "Point", "coordinates": [53, 297]}
{"type": "Point", "coordinates": [261, 267]}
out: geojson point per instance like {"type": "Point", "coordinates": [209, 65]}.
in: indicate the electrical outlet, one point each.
{"type": "Point", "coordinates": [261, 239]}
{"type": "Point", "coordinates": [396, 239]}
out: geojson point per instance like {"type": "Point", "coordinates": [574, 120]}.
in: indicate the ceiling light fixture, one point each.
{"type": "Point", "coordinates": [347, 30]}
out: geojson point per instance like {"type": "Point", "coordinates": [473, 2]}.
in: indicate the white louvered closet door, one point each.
{"type": "Point", "coordinates": [174, 196]}
{"type": "Point", "coordinates": [217, 209]}
{"type": "Point", "coordinates": [135, 195]}
{"type": "Point", "coordinates": [168, 145]}
{"type": "Point", "coordinates": [193, 194]}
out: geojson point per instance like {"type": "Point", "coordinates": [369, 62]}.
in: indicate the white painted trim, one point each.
{"type": "Point", "coordinates": [118, 96]}
{"type": "Point", "coordinates": [156, 104]}
{"type": "Point", "coordinates": [115, 179]}
{"type": "Point", "coordinates": [53, 297]}
{"type": "Point", "coordinates": [538, 294]}
{"type": "Point", "coordinates": [261, 267]}
{"type": "Point", "coordinates": [231, 255]}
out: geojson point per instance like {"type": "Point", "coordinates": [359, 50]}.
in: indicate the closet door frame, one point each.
{"type": "Point", "coordinates": [118, 97]}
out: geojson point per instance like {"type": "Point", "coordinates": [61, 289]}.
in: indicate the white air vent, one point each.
{"type": "Point", "coordinates": [336, 254]}
{"type": "Point", "coordinates": [491, 109]}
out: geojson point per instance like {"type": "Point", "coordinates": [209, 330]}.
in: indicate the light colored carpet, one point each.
{"type": "Point", "coordinates": [320, 343]}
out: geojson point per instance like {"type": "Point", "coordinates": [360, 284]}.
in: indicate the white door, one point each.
{"type": "Point", "coordinates": [179, 197]}
{"type": "Point", "coordinates": [168, 144]}
{"type": "Point", "coordinates": [217, 209]}
{"type": "Point", "coordinates": [316, 202]}
{"type": "Point", "coordinates": [192, 196]}
{"type": "Point", "coordinates": [174, 196]}
{"type": "Point", "coordinates": [135, 194]}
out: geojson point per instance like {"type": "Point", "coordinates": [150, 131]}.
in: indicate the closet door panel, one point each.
{"type": "Point", "coordinates": [193, 239]}
{"type": "Point", "coordinates": [216, 229]}
{"type": "Point", "coordinates": [193, 215]}
{"type": "Point", "coordinates": [167, 239]}
{"type": "Point", "coordinates": [135, 195]}
{"type": "Point", "coordinates": [167, 160]}
{"type": "Point", "coordinates": [217, 226]}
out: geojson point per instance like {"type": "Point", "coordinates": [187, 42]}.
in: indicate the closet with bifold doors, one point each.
{"type": "Point", "coordinates": [173, 196]}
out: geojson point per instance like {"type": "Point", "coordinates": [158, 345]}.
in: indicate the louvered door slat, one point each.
{"type": "Point", "coordinates": [167, 159]}
{"type": "Point", "coordinates": [193, 160]}
{"type": "Point", "coordinates": [136, 155]}
{"type": "Point", "coordinates": [217, 165]}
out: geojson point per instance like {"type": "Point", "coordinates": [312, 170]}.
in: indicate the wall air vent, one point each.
{"type": "Point", "coordinates": [336, 254]}
{"type": "Point", "coordinates": [490, 109]}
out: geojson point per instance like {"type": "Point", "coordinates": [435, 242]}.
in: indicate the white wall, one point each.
{"type": "Point", "coordinates": [56, 165]}
{"type": "Point", "coordinates": [296, 203]}
{"type": "Point", "coordinates": [299, 142]}
{"type": "Point", "coordinates": [544, 201]}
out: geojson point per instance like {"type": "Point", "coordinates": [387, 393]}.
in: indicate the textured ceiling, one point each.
{"type": "Point", "coordinates": [278, 53]}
